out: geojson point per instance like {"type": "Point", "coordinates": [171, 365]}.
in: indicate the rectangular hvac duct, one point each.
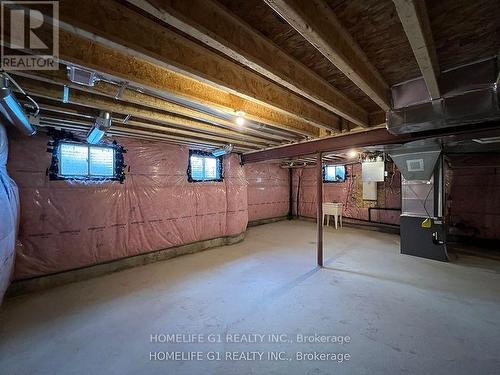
{"type": "Point", "coordinates": [470, 95]}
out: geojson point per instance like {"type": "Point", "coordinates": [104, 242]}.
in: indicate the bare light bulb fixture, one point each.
{"type": "Point", "coordinates": [352, 154]}
{"type": "Point", "coordinates": [240, 118]}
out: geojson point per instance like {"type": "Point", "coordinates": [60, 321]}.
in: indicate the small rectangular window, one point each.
{"type": "Point", "coordinates": [101, 161]}
{"type": "Point", "coordinates": [86, 161]}
{"type": "Point", "coordinates": [333, 173]}
{"type": "Point", "coordinates": [73, 160]}
{"type": "Point", "coordinates": [203, 166]}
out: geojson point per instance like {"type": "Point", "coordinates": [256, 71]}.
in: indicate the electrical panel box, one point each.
{"type": "Point", "coordinates": [369, 191]}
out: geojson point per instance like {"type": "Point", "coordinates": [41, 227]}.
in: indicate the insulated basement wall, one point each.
{"type": "Point", "coordinates": [9, 211]}
{"type": "Point", "coordinates": [268, 191]}
{"type": "Point", "coordinates": [474, 198]}
{"type": "Point", "coordinates": [68, 225]}
{"type": "Point", "coordinates": [349, 193]}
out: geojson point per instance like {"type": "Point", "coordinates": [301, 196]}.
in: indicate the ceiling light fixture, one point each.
{"type": "Point", "coordinates": [352, 154]}
{"type": "Point", "coordinates": [240, 118]}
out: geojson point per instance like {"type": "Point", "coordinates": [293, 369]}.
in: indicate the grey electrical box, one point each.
{"type": "Point", "coordinates": [373, 171]}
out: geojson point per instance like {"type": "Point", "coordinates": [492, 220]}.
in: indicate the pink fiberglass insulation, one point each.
{"type": "Point", "coordinates": [9, 211]}
{"type": "Point", "coordinates": [268, 191]}
{"type": "Point", "coordinates": [66, 225]}
{"type": "Point", "coordinates": [349, 193]}
{"type": "Point", "coordinates": [473, 195]}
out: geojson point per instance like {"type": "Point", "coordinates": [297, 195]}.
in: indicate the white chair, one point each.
{"type": "Point", "coordinates": [334, 209]}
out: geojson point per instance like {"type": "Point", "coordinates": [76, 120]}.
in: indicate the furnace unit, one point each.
{"type": "Point", "coordinates": [422, 224]}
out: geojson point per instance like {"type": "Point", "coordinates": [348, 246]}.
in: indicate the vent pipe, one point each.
{"type": "Point", "coordinates": [10, 108]}
{"type": "Point", "coordinates": [101, 126]}
{"type": "Point", "coordinates": [223, 151]}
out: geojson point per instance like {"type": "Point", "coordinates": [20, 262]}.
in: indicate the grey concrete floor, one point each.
{"type": "Point", "coordinates": [404, 315]}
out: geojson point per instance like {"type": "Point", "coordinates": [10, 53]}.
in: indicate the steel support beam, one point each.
{"type": "Point", "coordinates": [376, 137]}
{"type": "Point", "coordinates": [349, 140]}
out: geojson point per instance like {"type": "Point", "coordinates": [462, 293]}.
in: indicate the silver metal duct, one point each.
{"type": "Point", "coordinates": [227, 149]}
{"type": "Point", "coordinates": [11, 110]}
{"type": "Point", "coordinates": [101, 126]}
{"type": "Point", "coordinates": [470, 95]}
{"type": "Point", "coordinates": [416, 160]}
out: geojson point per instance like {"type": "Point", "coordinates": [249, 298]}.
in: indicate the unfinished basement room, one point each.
{"type": "Point", "coordinates": [250, 187]}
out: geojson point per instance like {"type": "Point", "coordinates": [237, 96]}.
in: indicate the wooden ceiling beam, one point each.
{"type": "Point", "coordinates": [212, 24]}
{"type": "Point", "coordinates": [87, 53]}
{"type": "Point", "coordinates": [317, 23]}
{"type": "Point", "coordinates": [167, 122]}
{"type": "Point", "coordinates": [126, 31]}
{"type": "Point", "coordinates": [138, 70]}
{"type": "Point", "coordinates": [415, 21]}
{"type": "Point", "coordinates": [136, 134]}
{"type": "Point", "coordinates": [110, 91]}
{"type": "Point", "coordinates": [142, 131]}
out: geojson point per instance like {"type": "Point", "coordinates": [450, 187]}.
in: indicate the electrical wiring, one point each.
{"type": "Point", "coordinates": [349, 186]}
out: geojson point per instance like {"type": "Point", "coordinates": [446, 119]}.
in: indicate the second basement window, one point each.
{"type": "Point", "coordinates": [334, 173]}
{"type": "Point", "coordinates": [203, 166]}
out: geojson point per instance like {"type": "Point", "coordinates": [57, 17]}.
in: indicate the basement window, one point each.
{"type": "Point", "coordinates": [334, 173]}
{"type": "Point", "coordinates": [86, 161]}
{"type": "Point", "coordinates": [203, 166]}
{"type": "Point", "coordinates": [75, 159]}
{"type": "Point", "coordinates": [81, 161]}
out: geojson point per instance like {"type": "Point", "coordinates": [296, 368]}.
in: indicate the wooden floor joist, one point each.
{"type": "Point", "coordinates": [144, 131]}
{"type": "Point", "coordinates": [76, 50]}
{"type": "Point", "coordinates": [54, 93]}
{"type": "Point", "coordinates": [413, 16]}
{"type": "Point", "coordinates": [133, 34]}
{"type": "Point", "coordinates": [141, 128]}
{"type": "Point", "coordinates": [143, 135]}
{"type": "Point", "coordinates": [231, 36]}
{"type": "Point", "coordinates": [126, 65]}
{"type": "Point", "coordinates": [109, 90]}
{"type": "Point", "coordinates": [317, 23]}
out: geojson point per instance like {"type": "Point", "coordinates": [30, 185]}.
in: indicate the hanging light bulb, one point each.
{"type": "Point", "coordinates": [352, 154]}
{"type": "Point", "coordinates": [240, 118]}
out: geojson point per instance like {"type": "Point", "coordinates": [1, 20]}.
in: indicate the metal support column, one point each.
{"type": "Point", "coordinates": [290, 195]}
{"type": "Point", "coordinates": [319, 199]}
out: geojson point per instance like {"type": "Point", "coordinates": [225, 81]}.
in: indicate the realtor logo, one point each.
{"type": "Point", "coordinates": [30, 35]}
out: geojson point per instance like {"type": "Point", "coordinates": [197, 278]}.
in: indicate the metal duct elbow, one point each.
{"type": "Point", "coordinates": [11, 110]}
{"type": "Point", "coordinates": [227, 149]}
{"type": "Point", "coordinates": [101, 126]}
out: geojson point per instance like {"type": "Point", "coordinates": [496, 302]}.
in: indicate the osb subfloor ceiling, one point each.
{"type": "Point", "coordinates": [179, 71]}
